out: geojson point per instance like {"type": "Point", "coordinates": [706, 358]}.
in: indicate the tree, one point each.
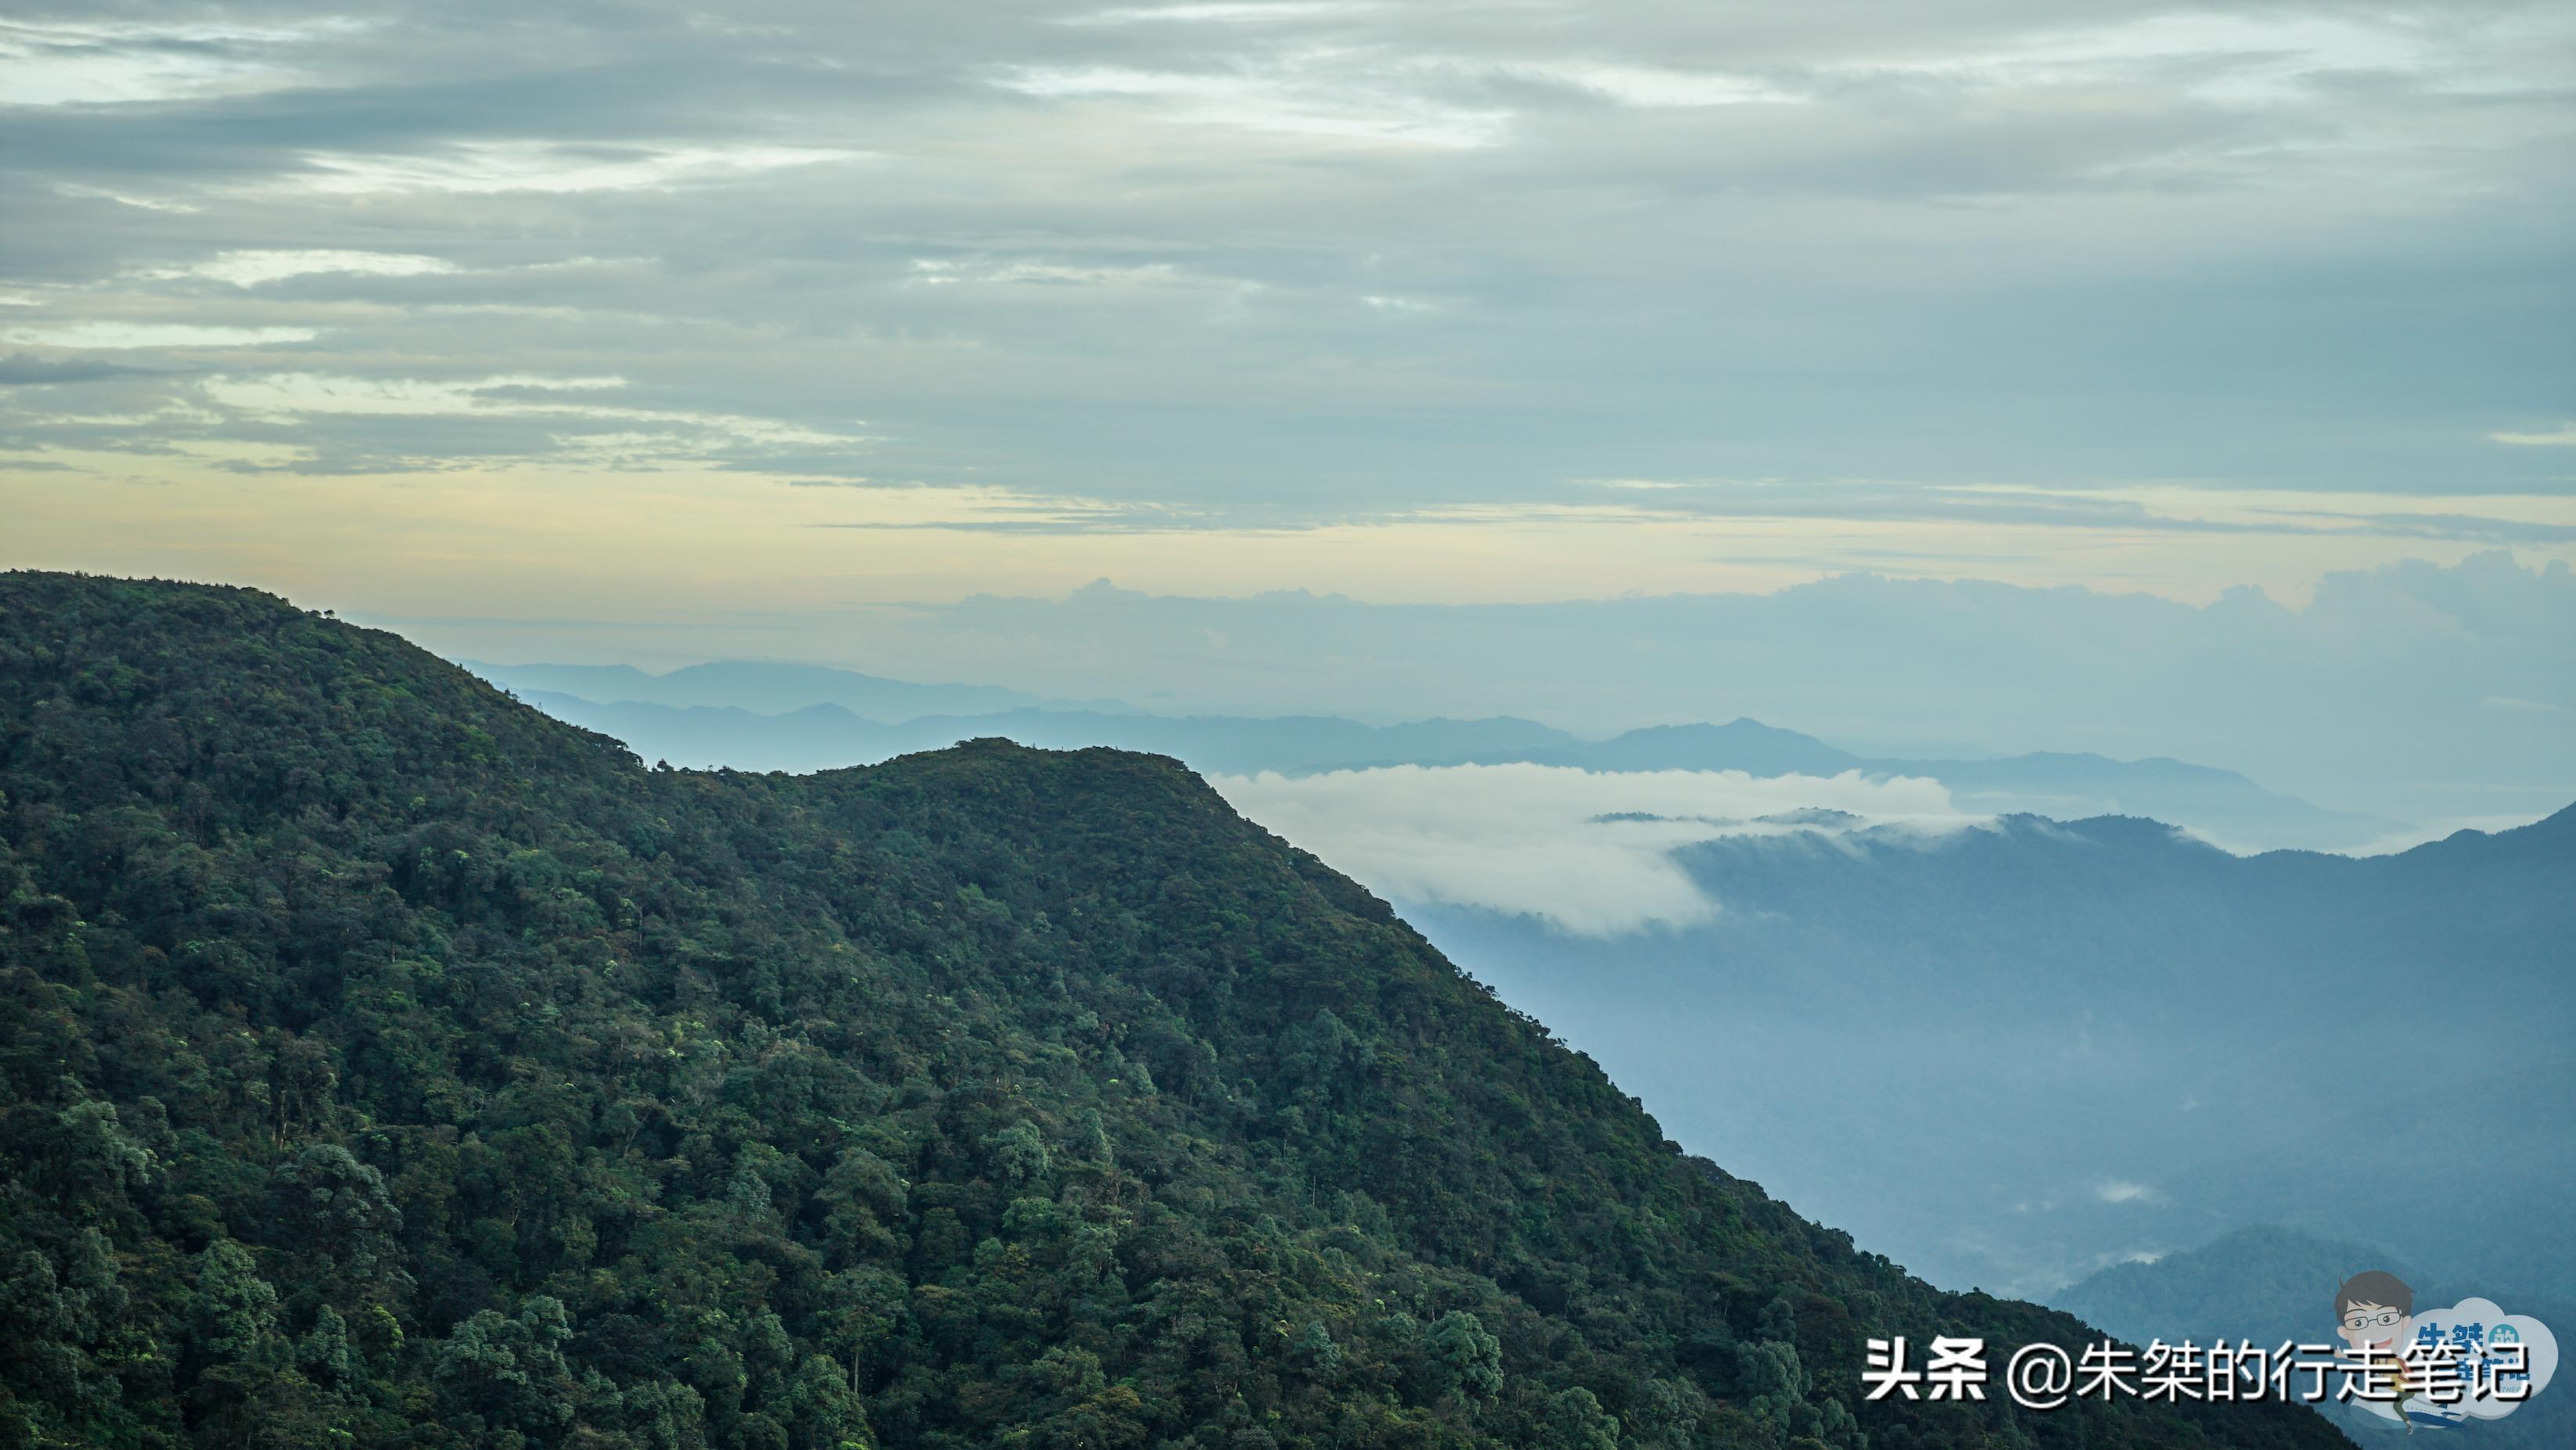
{"type": "Point", "coordinates": [507, 1375]}
{"type": "Point", "coordinates": [246, 1389]}
{"type": "Point", "coordinates": [328, 1204]}
{"type": "Point", "coordinates": [824, 1412]}
{"type": "Point", "coordinates": [1315, 1352]}
{"type": "Point", "coordinates": [861, 1309]}
{"type": "Point", "coordinates": [1018, 1153]}
{"type": "Point", "coordinates": [862, 1196]}
{"type": "Point", "coordinates": [1463, 1358]}
{"type": "Point", "coordinates": [1576, 1421]}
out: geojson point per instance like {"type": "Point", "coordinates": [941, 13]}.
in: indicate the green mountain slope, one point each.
{"type": "Point", "coordinates": [388, 1064]}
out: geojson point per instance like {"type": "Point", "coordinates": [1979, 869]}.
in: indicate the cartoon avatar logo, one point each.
{"type": "Point", "coordinates": [2445, 1367]}
{"type": "Point", "coordinates": [2378, 1312]}
{"type": "Point", "coordinates": [2376, 1319]}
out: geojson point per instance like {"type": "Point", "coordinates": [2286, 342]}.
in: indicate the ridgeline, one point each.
{"type": "Point", "coordinates": [388, 1064]}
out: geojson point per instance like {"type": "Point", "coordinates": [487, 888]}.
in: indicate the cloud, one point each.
{"type": "Point", "coordinates": [2121, 1190]}
{"type": "Point", "coordinates": [2508, 702]}
{"type": "Point", "coordinates": [2252, 59]}
{"type": "Point", "coordinates": [296, 395]}
{"type": "Point", "coordinates": [156, 334]}
{"type": "Point", "coordinates": [251, 268]}
{"type": "Point", "coordinates": [1219, 12]}
{"type": "Point", "coordinates": [943, 272]}
{"type": "Point", "coordinates": [1312, 94]}
{"type": "Point", "coordinates": [20, 368]}
{"type": "Point", "coordinates": [1589, 852]}
{"type": "Point", "coordinates": [86, 62]}
{"type": "Point", "coordinates": [1650, 86]}
{"type": "Point", "coordinates": [2562, 436]}
{"type": "Point", "coordinates": [1624, 244]}
{"type": "Point", "coordinates": [546, 166]}
{"type": "Point", "coordinates": [563, 420]}
{"type": "Point", "coordinates": [1368, 289]}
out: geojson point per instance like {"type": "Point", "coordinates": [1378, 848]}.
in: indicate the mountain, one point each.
{"type": "Point", "coordinates": [2010, 1055]}
{"type": "Point", "coordinates": [2220, 804]}
{"type": "Point", "coordinates": [760, 688]}
{"type": "Point", "coordinates": [2270, 1283]}
{"type": "Point", "coordinates": [1746, 745]}
{"type": "Point", "coordinates": [824, 737]}
{"type": "Point", "coordinates": [391, 1064]}
{"type": "Point", "coordinates": [2266, 1283]}
{"type": "Point", "coordinates": [787, 728]}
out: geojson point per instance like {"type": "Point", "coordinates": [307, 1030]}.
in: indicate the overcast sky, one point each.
{"type": "Point", "coordinates": [588, 308]}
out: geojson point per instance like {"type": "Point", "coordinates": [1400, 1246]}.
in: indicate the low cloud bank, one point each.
{"type": "Point", "coordinates": [1589, 852]}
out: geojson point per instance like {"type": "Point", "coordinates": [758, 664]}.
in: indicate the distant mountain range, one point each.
{"type": "Point", "coordinates": [802, 718]}
{"type": "Point", "coordinates": [760, 688]}
{"type": "Point", "coordinates": [2220, 804]}
{"type": "Point", "coordinates": [826, 737]}
{"type": "Point", "coordinates": [2013, 1055]}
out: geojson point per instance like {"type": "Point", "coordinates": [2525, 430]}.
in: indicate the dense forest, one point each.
{"type": "Point", "coordinates": [388, 1064]}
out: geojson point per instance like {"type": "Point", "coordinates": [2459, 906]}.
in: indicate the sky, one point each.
{"type": "Point", "coordinates": [630, 311]}
{"type": "Point", "coordinates": [1989, 376]}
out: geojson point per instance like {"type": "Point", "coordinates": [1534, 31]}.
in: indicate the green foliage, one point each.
{"type": "Point", "coordinates": [1576, 1421]}
{"type": "Point", "coordinates": [389, 1065]}
{"type": "Point", "coordinates": [1461, 1358]}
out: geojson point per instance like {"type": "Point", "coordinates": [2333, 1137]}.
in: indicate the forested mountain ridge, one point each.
{"type": "Point", "coordinates": [389, 1064]}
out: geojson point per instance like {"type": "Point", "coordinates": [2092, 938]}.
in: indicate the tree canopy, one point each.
{"type": "Point", "coordinates": [388, 1064]}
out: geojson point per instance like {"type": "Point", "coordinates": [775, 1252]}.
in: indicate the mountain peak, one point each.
{"type": "Point", "coordinates": [459, 1069]}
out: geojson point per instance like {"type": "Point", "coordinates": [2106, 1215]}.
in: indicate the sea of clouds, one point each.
{"type": "Point", "coordinates": [1589, 852]}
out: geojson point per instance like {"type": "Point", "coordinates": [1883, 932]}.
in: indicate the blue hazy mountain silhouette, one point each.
{"type": "Point", "coordinates": [2015, 1054]}
{"type": "Point", "coordinates": [752, 686]}
{"type": "Point", "coordinates": [805, 717]}
{"type": "Point", "coordinates": [2271, 1283]}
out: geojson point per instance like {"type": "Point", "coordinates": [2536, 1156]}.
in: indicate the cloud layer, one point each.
{"type": "Point", "coordinates": [1589, 852]}
{"type": "Point", "coordinates": [1310, 263]}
